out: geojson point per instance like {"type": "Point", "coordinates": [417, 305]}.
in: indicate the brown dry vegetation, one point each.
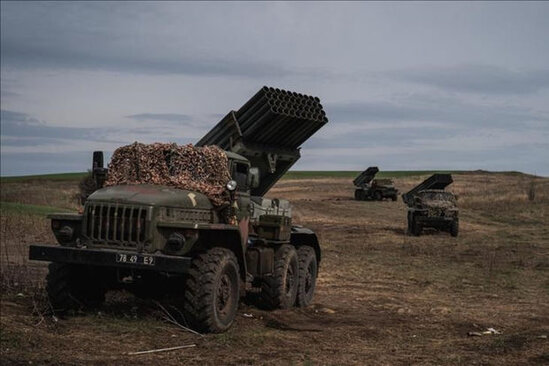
{"type": "Point", "coordinates": [382, 297]}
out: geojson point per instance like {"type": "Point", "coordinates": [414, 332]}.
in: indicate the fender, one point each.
{"type": "Point", "coordinates": [303, 236]}
{"type": "Point", "coordinates": [220, 235]}
{"type": "Point", "coordinates": [230, 238]}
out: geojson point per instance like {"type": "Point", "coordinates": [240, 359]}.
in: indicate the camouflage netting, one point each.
{"type": "Point", "coordinates": [201, 169]}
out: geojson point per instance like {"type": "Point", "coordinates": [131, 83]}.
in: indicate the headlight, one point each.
{"type": "Point", "coordinates": [231, 185]}
{"type": "Point", "coordinates": [66, 233]}
{"type": "Point", "coordinates": [175, 242]}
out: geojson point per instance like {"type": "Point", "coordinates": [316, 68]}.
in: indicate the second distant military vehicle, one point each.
{"type": "Point", "coordinates": [429, 205]}
{"type": "Point", "coordinates": [368, 188]}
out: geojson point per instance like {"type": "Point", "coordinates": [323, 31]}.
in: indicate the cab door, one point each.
{"type": "Point", "coordinates": [240, 172]}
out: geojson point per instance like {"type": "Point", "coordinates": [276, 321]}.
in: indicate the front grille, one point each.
{"type": "Point", "coordinates": [121, 225]}
{"type": "Point", "coordinates": [185, 215]}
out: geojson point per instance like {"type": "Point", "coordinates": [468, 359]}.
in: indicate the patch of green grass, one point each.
{"type": "Point", "coordinates": [311, 174]}
{"type": "Point", "coordinates": [293, 174]}
{"type": "Point", "coordinates": [54, 177]}
{"type": "Point", "coordinates": [13, 208]}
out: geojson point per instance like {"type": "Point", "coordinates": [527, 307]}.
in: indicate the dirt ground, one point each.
{"type": "Point", "coordinates": [383, 298]}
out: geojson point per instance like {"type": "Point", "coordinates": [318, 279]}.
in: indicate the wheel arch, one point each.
{"type": "Point", "coordinates": [229, 239]}
{"type": "Point", "coordinates": [301, 236]}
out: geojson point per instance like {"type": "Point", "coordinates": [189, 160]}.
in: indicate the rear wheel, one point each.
{"type": "Point", "coordinates": [308, 269]}
{"type": "Point", "coordinates": [416, 227]}
{"type": "Point", "coordinates": [378, 196]}
{"type": "Point", "coordinates": [280, 289]}
{"type": "Point", "coordinates": [357, 194]}
{"type": "Point", "coordinates": [72, 287]}
{"type": "Point", "coordinates": [394, 198]}
{"type": "Point", "coordinates": [212, 291]}
{"type": "Point", "coordinates": [454, 228]}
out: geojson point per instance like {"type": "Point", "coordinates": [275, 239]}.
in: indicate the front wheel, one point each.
{"type": "Point", "coordinates": [308, 270]}
{"type": "Point", "coordinates": [410, 221]}
{"type": "Point", "coordinates": [454, 228]}
{"type": "Point", "coordinates": [212, 291]}
{"type": "Point", "coordinates": [414, 227]}
{"type": "Point", "coordinates": [280, 289]}
{"type": "Point", "coordinates": [72, 287]}
{"type": "Point", "coordinates": [378, 196]}
{"type": "Point", "coordinates": [394, 198]}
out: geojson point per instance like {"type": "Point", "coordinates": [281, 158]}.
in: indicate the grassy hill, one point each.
{"type": "Point", "coordinates": [50, 177]}
{"type": "Point", "coordinates": [293, 174]}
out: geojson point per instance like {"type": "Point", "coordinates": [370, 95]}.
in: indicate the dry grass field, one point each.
{"type": "Point", "coordinates": [383, 298]}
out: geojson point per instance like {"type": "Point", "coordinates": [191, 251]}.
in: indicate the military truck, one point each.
{"type": "Point", "coordinates": [368, 188]}
{"type": "Point", "coordinates": [429, 205]}
{"type": "Point", "coordinates": [156, 240]}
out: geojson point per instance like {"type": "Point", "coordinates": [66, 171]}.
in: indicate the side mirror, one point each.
{"type": "Point", "coordinates": [253, 177]}
{"type": "Point", "coordinates": [99, 171]}
{"type": "Point", "coordinates": [97, 160]}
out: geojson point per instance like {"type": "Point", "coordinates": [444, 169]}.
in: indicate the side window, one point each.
{"type": "Point", "coordinates": [240, 175]}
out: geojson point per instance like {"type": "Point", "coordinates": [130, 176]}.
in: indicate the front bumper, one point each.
{"type": "Point", "coordinates": [435, 220]}
{"type": "Point", "coordinates": [109, 258]}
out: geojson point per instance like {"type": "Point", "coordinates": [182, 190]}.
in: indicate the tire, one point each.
{"type": "Point", "coordinates": [212, 291]}
{"type": "Point", "coordinates": [308, 271]}
{"type": "Point", "coordinates": [279, 291]}
{"type": "Point", "coordinates": [410, 221]}
{"type": "Point", "coordinates": [72, 287]}
{"type": "Point", "coordinates": [357, 194]}
{"type": "Point", "coordinates": [394, 198]}
{"type": "Point", "coordinates": [454, 228]}
{"type": "Point", "coordinates": [414, 228]}
{"type": "Point", "coordinates": [378, 196]}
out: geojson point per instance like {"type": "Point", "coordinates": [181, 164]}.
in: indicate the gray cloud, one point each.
{"type": "Point", "coordinates": [156, 121]}
{"type": "Point", "coordinates": [527, 158]}
{"type": "Point", "coordinates": [17, 124]}
{"type": "Point", "coordinates": [478, 79]}
{"type": "Point", "coordinates": [21, 130]}
{"type": "Point", "coordinates": [94, 62]}
{"type": "Point", "coordinates": [449, 111]}
{"type": "Point", "coordinates": [90, 36]}
{"type": "Point", "coordinates": [57, 56]}
{"type": "Point", "coordinates": [8, 93]}
{"type": "Point", "coordinates": [167, 117]}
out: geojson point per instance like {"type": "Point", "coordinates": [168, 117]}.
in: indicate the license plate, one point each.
{"type": "Point", "coordinates": [147, 260]}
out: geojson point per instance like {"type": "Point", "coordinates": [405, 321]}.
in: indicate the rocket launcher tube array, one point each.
{"type": "Point", "coordinates": [435, 181]}
{"type": "Point", "coordinates": [272, 124]}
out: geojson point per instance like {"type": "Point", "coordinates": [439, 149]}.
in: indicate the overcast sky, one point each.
{"type": "Point", "coordinates": [404, 85]}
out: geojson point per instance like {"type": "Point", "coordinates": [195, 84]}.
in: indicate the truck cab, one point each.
{"type": "Point", "coordinates": [368, 188]}
{"type": "Point", "coordinates": [429, 205]}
